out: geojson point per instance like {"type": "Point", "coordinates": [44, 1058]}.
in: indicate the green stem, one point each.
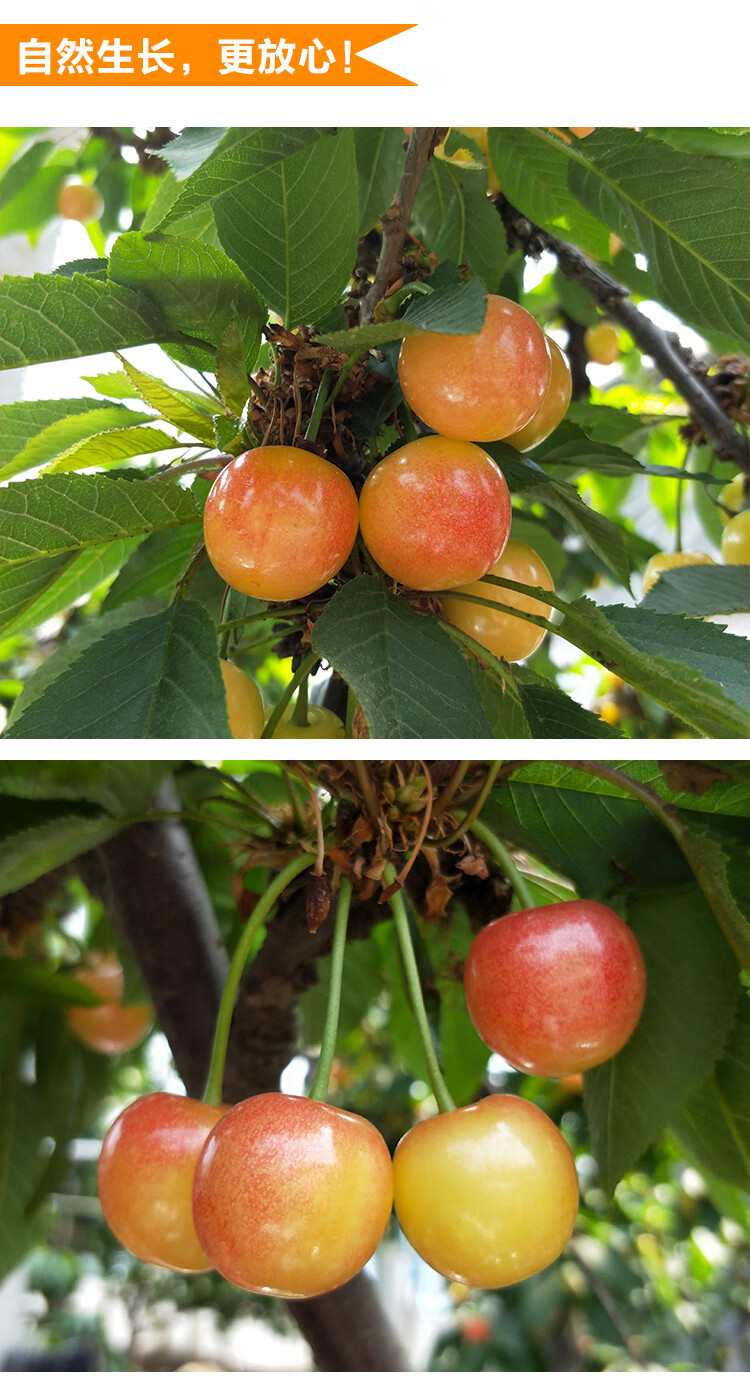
{"type": "Point", "coordinates": [300, 717]}
{"type": "Point", "coordinates": [451, 787]}
{"type": "Point", "coordinates": [678, 503]}
{"type": "Point", "coordinates": [264, 615]}
{"type": "Point", "coordinates": [213, 1091]}
{"type": "Point", "coordinates": [300, 675]}
{"type": "Point", "coordinates": [468, 817]}
{"type": "Point", "coordinates": [322, 1079]}
{"type": "Point", "coordinates": [507, 863]}
{"type": "Point", "coordinates": [414, 987]}
{"type": "Point", "coordinates": [407, 420]}
{"type": "Point", "coordinates": [319, 407]}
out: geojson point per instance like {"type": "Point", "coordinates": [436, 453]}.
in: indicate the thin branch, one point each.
{"type": "Point", "coordinates": [672, 358]}
{"type": "Point", "coordinates": [395, 221]}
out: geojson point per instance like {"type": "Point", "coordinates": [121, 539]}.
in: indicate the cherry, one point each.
{"type": "Point", "coordinates": [291, 1196]}
{"type": "Point", "coordinates": [555, 989]}
{"type": "Point", "coordinates": [79, 201]}
{"type": "Point", "coordinates": [321, 723]}
{"type": "Point", "coordinates": [735, 540]}
{"type": "Point", "coordinates": [146, 1170]}
{"type": "Point", "coordinates": [279, 522]}
{"type": "Point", "coordinates": [735, 496]}
{"type": "Point", "coordinates": [436, 513]}
{"type": "Point", "coordinates": [486, 1194]}
{"type": "Point", "coordinates": [554, 405]}
{"type": "Point", "coordinates": [666, 560]}
{"type": "Point", "coordinates": [602, 344]}
{"type": "Point", "coordinates": [502, 634]}
{"type": "Point", "coordinates": [244, 702]}
{"type": "Point", "coordinates": [479, 387]}
{"type": "Point", "coordinates": [108, 1028]}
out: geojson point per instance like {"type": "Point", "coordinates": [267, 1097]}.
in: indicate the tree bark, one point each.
{"type": "Point", "coordinates": [150, 881]}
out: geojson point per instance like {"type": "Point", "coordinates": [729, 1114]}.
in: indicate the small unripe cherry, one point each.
{"type": "Point", "coordinates": [735, 540]}
{"type": "Point", "coordinates": [79, 201]}
{"type": "Point", "coordinates": [478, 387]}
{"type": "Point", "coordinates": [602, 344]}
{"type": "Point", "coordinates": [554, 405]}
{"type": "Point", "coordinates": [244, 702]}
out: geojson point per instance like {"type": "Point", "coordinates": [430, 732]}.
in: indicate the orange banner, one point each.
{"type": "Point", "coordinates": [231, 54]}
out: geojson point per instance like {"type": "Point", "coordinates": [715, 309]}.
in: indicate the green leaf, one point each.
{"type": "Point", "coordinates": [110, 449]}
{"type": "Point", "coordinates": [454, 311]}
{"type": "Point", "coordinates": [23, 1124]}
{"type": "Point", "coordinates": [362, 983]}
{"type": "Point", "coordinates": [408, 675]}
{"type": "Point", "coordinates": [700, 590]}
{"type": "Point", "coordinates": [570, 446]}
{"type": "Point", "coordinates": [713, 1123]}
{"type": "Point", "coordinates": [718, 791]}
{"type": "Point", "coordinates": [229, 168]}
{"type": "Point", "coordinates": [691, 997]}
{"type": "Point", "coordinates": [172, 406]}
{"type": "Point", "coordinates": [97, 267]}
{"type": "Point", "coordinates": [550, 713]}
{"type": "Point", "coordinates": [121, 788]}
{"type": "Point", "coordinates": [501, 703]}
{"type": "Point", "coordinates": [59, 513]}
{"type": "Point", "coordinates": [58, 439]}
{"type": "Point", "coordinates": [24, 424]}
{"type": "Point", "coordinates": [196, 288]}
{"type": "Point", "coordinates": [293, 228]}
{"type": "Point", "coordinates": [37, 590]}
{"type": "Point", "coordinates": [688, 214]}
{"type": "Point", "coordinates": [191, 148]}
{"type": "Point", "coordinates": [380, 159]}
{"type": "Point", "coordinates": [722, 143]}
{"type": "Point", "coordinates": [231, 369]}
{"type": "Point", "coordinates": [154, 567]}
{"type": "Point", "coordinates": [455, 219]}
{"type": "Point", "coordinates": [463, 1054]}
{"type": "Point", "coordinates": [27, 854]}
{"type": "Point", "coordinates": [22, 980]}
{"type": "Point", "coordinates": [155, 677]}
{"type": "Point", "coordinates": [115, 385]}
{"type": "Point", "coordinates": [50, 318]}
{"type": "Point", "coordinates": [532, 167]}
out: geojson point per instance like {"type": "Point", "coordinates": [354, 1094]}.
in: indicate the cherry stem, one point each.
{"type": "Point", "coordinates": [468, 819]}
{"type": "Point", "coordinates": [414, 987]}
{"type": "Point", "coordinates": [507, 863]}
{"type": "Point", "coordinates": [451, 787]}
{"type": "Point", "coordinates": [322, 1078]}
{"type": "Point", "coordinates": [300, 675]}
{"type": "Point", "coordinates": [300, 716]}
{"type": "Point", "coordinates": [319, 406]}
{"type": "Point", "coordinates": [213, 1091]}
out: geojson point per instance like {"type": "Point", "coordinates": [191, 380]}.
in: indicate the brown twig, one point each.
{"type": "Point", "coordinates": [664, 347]}
{"type": "Point", "coordinates": [395, 221]}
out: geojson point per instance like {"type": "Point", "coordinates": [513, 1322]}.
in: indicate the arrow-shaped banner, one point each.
{"type": "Point", "coordinates": [229, 54]}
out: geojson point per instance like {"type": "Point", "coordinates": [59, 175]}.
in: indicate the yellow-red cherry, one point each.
{"type": "Point", "coordinates": [554, 405]}
{"type": "Point", "coordinates": [244, 702]}
{"type": "Point", "coordinates": [486, 1194]}
{"type": "Point", "coordinates": [145, 1176]}
{"type": "Point", "coordinates": [110, 1028]}
{"type": "Point", "coordinates": [479, 387]}
{"type": "Point", "coordinates": [502, 634]}
{"type": "Point", "coordinates": [291, 1196]}
{"type": "Point", "coordinates": [436, 513]}
{"type": "Point", "coordinates": [279, 522]}
{"type": "Point", "coordinates": [555, 989]}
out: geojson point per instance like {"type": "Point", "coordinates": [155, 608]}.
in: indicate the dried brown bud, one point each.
{"type": "Point", "coordinates": [317, 901]}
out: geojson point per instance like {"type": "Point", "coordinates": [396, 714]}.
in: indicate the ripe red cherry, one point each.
{"type": "Point", "coordinates": [478, 387]}
{"type": "Point", "coordinates": [291, 1196]}
{"type": "Point", "coordinates": [556, 989]}
{"type": "Point", "coordinates": [110, 1028]}
{"type": "Point", "coordinates": [436, 513]}
{"type": "Point", "coordinates": [279, 522]}
{"type": "Point", "coordinates": [486, 1194]}
{"type": "Point", "coordinates": [146, 1170]}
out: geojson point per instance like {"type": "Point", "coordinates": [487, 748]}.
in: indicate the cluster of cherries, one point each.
{"type": "Point", "coordinates": [435, 514]}
{"type": "Point", "coordinates": [289, 1196]}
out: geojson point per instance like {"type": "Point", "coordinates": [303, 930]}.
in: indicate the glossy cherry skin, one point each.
{"type": "Point", "coordinates": [109, 1028]}
{"type": "Point", "coordinates": [501, 633]}
{"type": "Point", "coordinates": [487, 1195]}
{"type": "Point", "coordinates": [291, 1196]}
{"type": "Point", "coordinates": [556, 989]}
{"type": "Point", "coordinates": [602, 344]}
{"type": "Point", "coordinates": [244, 702]}
{"type": "Point", "coordinates": [478, 387]}
{"type": "Point", "coordinates": [554, 405]}
{"type": "Point", "coordinates": [146, 1170]}
{"type": "Point", "coordinates": [735, 496]}
{"type": "Point", "coordinates": [321, 723]}
{"type": "Point", "coordinates": [735, 540]}
{"type": "Point", "coordinates": [667, 560]}
{"type": "Point", "coordinates": [279, 522]}
{"type": "Point", "coordinates": [436, 513]}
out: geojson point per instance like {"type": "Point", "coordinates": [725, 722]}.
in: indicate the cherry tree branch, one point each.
{"type": "Point", "coordinates": [674, 360]}
{"type": "Point", "coordinates": [395, 221]}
